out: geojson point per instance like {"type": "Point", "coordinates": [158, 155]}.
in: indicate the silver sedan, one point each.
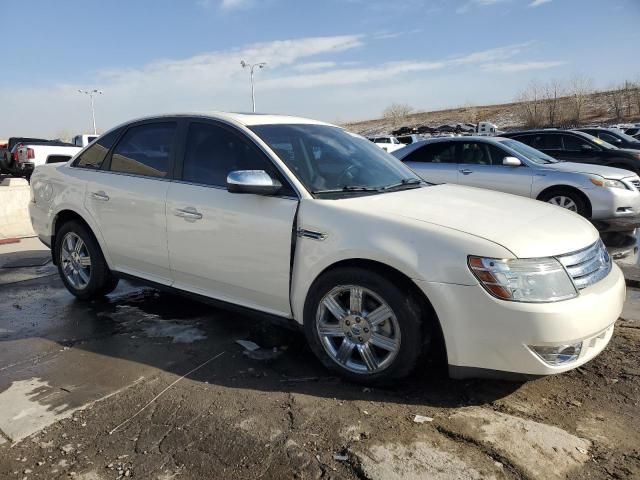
{"type": "Point", "coordinates": [596, 192]}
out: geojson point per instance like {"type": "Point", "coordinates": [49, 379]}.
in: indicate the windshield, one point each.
{"type": "Point", "coordinates": [624, 136]}
{"type": "Point", "coordinates": [598, 141]}
{"type": "Point", "coordinates": [328, 159]}
{"type": "Point", "coordinates": [530, 153]}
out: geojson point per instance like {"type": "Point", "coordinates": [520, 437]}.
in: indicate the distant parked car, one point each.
{"type": "Point", "coordinates": [506, 165]}
{"type": "Point", "coordinates": [388, 143]}
{"type": "Point", "coordinates": [409, 139]}
{"type": "Point", "coordinates": [573, 146]}
{"type": "Point", "coordinates": [633, 132]}
{"type": "Point", "coordinates": [615, 137]}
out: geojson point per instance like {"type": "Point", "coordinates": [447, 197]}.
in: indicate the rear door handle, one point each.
{"type": "Point", "coordinates": [188, 213]}
{"type": "Point", "coordinates": [100, 196]}
{"type": "Point", "coordinates": [466, 171]}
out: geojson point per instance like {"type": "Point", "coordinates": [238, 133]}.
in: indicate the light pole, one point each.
{"type": "Point", "coordinates": [91, 93]}
{"type": "Point", "coordinates": [251, 66]}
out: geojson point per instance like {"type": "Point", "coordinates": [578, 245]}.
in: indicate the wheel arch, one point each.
{"type": "Point", "coordinates": [399, 278]}
{"type": "Point", "coordinates": [568, 188]}
{"type": "Point", "coordinates": [67, 215]}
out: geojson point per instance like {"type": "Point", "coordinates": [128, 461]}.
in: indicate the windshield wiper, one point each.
{"type": "Point", "coordinates": [402, 183]}
{"type": "Point", "coordinates": [348, 188]}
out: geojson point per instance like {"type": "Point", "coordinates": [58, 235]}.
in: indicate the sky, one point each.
{"type": "Point", "coordinates": [334, 60]}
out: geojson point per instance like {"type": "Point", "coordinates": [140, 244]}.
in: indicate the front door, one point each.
{"type": "Point", "coordinates": [232, 247]}
{"type": "Point", "coordinates": [127, 200]}
{"type": "Point", "coordinates": [480, 165]}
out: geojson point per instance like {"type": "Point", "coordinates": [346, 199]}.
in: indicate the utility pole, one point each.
{"type": "Point", "coordinates": [251, 66]}
{"type": "Point", "coordinates": [91, 93]}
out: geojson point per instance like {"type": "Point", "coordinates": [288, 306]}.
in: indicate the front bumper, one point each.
{"type": "Point", "coordinates": [610, 204]}
{"type": "Point", "coordinates": [483, 333]}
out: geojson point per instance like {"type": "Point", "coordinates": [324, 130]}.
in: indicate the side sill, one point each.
{"type": "Point", "coordinates": [460, 373]}
{"type": "Point", "coordinates": [289, 323]}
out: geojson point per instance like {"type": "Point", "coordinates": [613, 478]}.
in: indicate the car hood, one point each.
{"type": "Point", "coordinates": [603, 171]}
{"type": "Point", "coordinates": [528, 228]}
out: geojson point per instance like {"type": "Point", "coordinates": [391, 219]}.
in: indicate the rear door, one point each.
{"type": "Point", "coordinates": [229, 246]}
{"type": "Point", "coordinates": [127, 199]}
{"type": "Point", "coordinates": [480, 165]}
{"type": "Point", "coordinates": [434, 162]}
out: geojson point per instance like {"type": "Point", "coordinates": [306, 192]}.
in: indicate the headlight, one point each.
{"type": "Point", "coordinates": [607, 182]}
{"type": "Point", "coordinates": [524, 280]}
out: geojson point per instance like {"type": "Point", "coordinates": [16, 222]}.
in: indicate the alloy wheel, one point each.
{"type": "Point", "coordinates": [358, 329]}
{"type": "Point", "coordinates": [76, 261]}
{"type": "Point", "coordinates": [564, 202]}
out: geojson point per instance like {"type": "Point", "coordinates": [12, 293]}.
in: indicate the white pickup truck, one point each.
{"type": "Point", "coordinates": [388, 143]}
{"type": "Point", "coordinates": [25, 157]}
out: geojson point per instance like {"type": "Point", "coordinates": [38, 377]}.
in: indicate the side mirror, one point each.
{"type": "Point", "coordinates": [511, 162]}
{"type": "Point", "coordinates": [257, 182]}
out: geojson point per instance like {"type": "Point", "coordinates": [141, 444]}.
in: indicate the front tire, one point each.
{"type": "Point", "coordinates": [362, 326]}
{"type": "Point", "coordinates": [566, 199]}
{"type": "Point", "coordinates": [81, 264]}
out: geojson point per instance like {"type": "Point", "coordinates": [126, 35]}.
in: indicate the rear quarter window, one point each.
{"type": "Point", "coordinates": [93, 157]}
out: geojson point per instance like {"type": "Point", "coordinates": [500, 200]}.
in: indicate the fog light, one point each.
{"type": "Point", "coordinates": [558, 354]}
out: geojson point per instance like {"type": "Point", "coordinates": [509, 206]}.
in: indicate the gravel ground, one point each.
{"type": "Point", "coordinates": [154, 386]}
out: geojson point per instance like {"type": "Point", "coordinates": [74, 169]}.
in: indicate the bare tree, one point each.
{"type": "Point", "coordinates": [628, 89]}
{"type": "Point", "coordinates": [397, 112]}
{"type": "Point", "coordinates": [579, 89]}
{"type": "Point", "coordinates": [552, 93]}
{"type": "Point", "coordinates": [616, 101]}
{"type": "Point", "coordinates": [636, 95]}
{"type": "Point", "coordinates": [64, 135]}
{"type": "Point", "coordinates": [530, 104]}
{"type": "Point", "coordinates": [470, 113]}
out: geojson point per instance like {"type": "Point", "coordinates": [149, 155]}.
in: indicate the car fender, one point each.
{"type": "Point", "coordinates": [328, 234]}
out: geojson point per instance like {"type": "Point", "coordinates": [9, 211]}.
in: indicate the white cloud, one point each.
{"type": "Point", "coordinates": [231, 4]}
{"type": "Point", "coordinates": [471, 4]}
{"type": "Point", "coordinates": [312, 66]}
{"type": "Point", "coordinates": [515, 67]}
{"type": "Point", "coordinates": [537, 3]}
{"type": "Point", "coordinates": [215, 81]}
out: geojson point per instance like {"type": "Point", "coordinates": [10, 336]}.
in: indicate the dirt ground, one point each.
{"type": "Point", "coordinates": [154, 386]}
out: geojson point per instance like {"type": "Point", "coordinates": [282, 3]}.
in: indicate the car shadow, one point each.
{"type": "Point", "coordinates": [177, 334]}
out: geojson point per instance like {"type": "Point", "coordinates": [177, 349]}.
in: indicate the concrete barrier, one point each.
{"type": "Point", "coordinates": [14, 209]}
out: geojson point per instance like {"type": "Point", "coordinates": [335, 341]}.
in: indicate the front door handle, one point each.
{"type": "Point", "coordinates": [100, 196]}
{"type": "Point", "coordinates": [466, 171]}
{"type": "Point", "coordinates": [188, 213]}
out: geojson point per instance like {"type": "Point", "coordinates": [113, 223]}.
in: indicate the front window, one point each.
{"type": "Point", "coordinates": [530, 153]}
{"type": "Point", "coordinates": [329, 160]}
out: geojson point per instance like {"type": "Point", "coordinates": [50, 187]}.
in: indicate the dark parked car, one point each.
{"type": "Point", "coordinates": [613, 136]}
{"type": "Point", "coordinates": [574, 146]}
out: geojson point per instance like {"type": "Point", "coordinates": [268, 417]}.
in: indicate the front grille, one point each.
{"type": "Point", "coordinates": [636, 183]}
{"type": "Point", "coordinates": [587, 266]}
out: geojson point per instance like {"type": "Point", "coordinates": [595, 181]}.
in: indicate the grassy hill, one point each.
{"type": "Point", "coordinates": [598, 108]}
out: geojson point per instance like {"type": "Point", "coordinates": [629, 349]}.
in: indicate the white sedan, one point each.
{"type": "Point", "coordinates": [304, 221]}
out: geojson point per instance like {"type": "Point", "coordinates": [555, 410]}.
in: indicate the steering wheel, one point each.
{"type": "Point", "coordinates": [349, 171]}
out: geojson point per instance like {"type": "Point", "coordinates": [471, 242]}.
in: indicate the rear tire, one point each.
{"type": "Point", "coordinates": [81, 264]}
{"type": "Point", "coordinates": [362, 326]}
{"type": "Point", "coordinates": [567, 199]}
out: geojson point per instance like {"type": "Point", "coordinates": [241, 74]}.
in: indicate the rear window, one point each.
{"type": "Point", "coordinates": [145, 150]}
{"type": "Point", "coordinates": [93, 157]}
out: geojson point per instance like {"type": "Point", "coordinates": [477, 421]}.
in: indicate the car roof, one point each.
{"type": "Point", "coordinates": [245, 119]}
{"type": "Point", "coordinates": [404, 151]}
